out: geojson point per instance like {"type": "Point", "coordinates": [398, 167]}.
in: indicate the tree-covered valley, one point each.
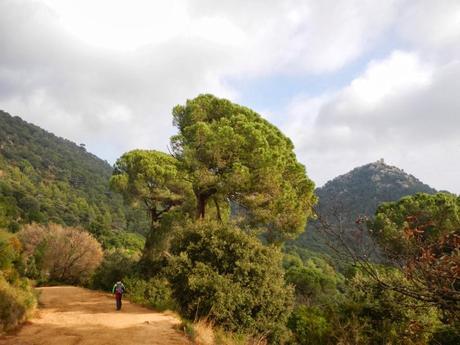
{"type": "Point", "coordinates": [228, 230]}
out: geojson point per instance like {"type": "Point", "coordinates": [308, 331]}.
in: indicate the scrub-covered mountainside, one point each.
{"type": "Point", "coordinates": [358, 193]}
{"type": "Point", "coordinates": [47, 179]}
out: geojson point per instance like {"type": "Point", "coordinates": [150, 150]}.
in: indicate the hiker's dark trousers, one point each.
{"type": "Point", "coordinates": [118, 299]}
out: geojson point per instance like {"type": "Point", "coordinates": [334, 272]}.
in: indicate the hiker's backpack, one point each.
{"type": "Point", "coordinates": [119, 288]}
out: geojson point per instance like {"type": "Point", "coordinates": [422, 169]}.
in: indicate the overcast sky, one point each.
{"type": "Point", "coordinates": [349, 81]}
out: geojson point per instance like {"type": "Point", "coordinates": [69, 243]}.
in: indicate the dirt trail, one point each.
{"type": "Point", "coordinates": [69, 316]}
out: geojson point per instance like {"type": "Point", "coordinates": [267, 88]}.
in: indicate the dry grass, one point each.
{"type": "Point", "coordinates": [204, 333]}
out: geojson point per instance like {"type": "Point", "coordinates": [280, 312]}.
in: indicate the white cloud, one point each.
{"type": "Point", "coordinates": [401, 72]}
{"type": "Point", "coordinates": [121, 25]}
{"type": "Point", "coordinates": [111, 101]}
{"type": "Point", "coordinates": [107, 72]}
{"type": "Point", "coordinates": [400, 109]}
{"type": "Point", "coordinates": [432, 27]}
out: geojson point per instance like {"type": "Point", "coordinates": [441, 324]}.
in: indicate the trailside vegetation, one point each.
{"type": "Point", "coordinates": [59, 254]}
{"type": "Point", "coordinates": [17, 299]}
{"type": "Point", "coordinates": [222, 274]}
{"type": "Point", "coordinates": [406, 292]}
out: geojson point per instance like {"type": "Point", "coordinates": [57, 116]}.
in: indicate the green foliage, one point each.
{"type": "Point", "coordinates": [447, 335]}
{"type": "Point", "coordinates": [310, 326]}
{"type": "Point", "coordinates": [17, 300]}
{"type": "Point", "coordinates": [232, 154]}
{"type": "Point", "coordinates": [315, 281]}
{"type": "Point", "coordinates": [421, 233]}
{"type": "Point", "coordinates": [16, 297]}
{"type": "Point", "coordinates": [150, 180]}
{"type": "Point", "coordinates": [386, 316]}
{"type": "Point", "coordinates": [46, 179]}
{"type": "Point", "coordinates": [129, 241]}
{"type": "Point", "coordinates": [116, 265]}
{"type": "Point", "coordinates": [8, 250]}
{"type": "Point", "coordinates": [360, 310]}
{"type": "Point", "coordinates": [154, 292]}
{"type": "Point", "coordinates": [319, 289]}
{"type": "Point", "coordinates": [221, 273]}
{"type": "Point", "coordinates": [435, 215]}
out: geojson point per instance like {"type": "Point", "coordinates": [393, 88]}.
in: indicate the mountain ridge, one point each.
{"type": "Point", "coordinates": [389, 182]}
{"type": "Point", "coordinates": [355, 194]}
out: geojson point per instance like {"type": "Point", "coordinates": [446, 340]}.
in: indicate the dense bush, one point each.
{"type": "Point", "coordinates": [318, 289]}
{"type": "Point", "coordinates": [116, 265]}
{"type": "Point", "coordinates": [221, 273]}
{"type": "Point", "coordinates": [16, 297]}
{"type": "Point", "coordinates": [8, 252]}
{"type": "Point", "coordinates": [127, 241]}
{"type": "Point", "coordinates": [310, 326]}
{"type": "Point", "coordinates": [60, 254]}
{"type": "Point", "coordinates": [386, 316]}
{"type": "Point", "coordinates": [16, 302]}
{"type": "Point", "coordinates": [359, 310]}
{"type": "Point", "coordinates": [421, 235]}
{"type": "Point", "coordinates": [154, 292]}
{"type": "Point", "coordinates": [314, 281]}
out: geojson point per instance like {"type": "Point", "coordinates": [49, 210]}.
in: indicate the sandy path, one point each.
{"type": "Point", "coordinates": [69, 316]}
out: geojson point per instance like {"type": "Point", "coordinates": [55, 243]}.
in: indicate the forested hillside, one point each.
{"type": "Point", "coordinates": [357, 194]}
{"type": "Point", "coordinates": [47, 179]}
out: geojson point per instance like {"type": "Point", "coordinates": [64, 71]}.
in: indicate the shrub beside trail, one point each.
{"type": "Point", "coordinates": [54, 253]}
{"type": "Point", "coordinates": [227, 276]}
{"type": "Point", "coordinates": [17, 299]}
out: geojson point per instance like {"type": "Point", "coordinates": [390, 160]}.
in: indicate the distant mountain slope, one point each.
{"type": "Point", "coordinates": [44, 178]}
{"type": "Point", "coordinates": [358, 193]}
{"type": "Point", "coordinates": [361, 190]}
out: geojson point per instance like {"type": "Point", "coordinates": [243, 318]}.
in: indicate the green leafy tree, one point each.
{"type": "Point", "coordinates": [383, 316]}
{"type": "Point", "coordinates": [235, 157]}
{"type": "Point", "coordinates": [310, 326]}
{"type": "Point", "coordinates": [421, 235]}
{"type": "Point", "coordinates": [150, 179]}
{"type": "Point", "coordinates": [8, 250]}
{"type": "Point", "coordinates": [315, 281]}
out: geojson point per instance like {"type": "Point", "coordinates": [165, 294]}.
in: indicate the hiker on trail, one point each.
{"type": "Point", "coordinates": [118, 289]}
